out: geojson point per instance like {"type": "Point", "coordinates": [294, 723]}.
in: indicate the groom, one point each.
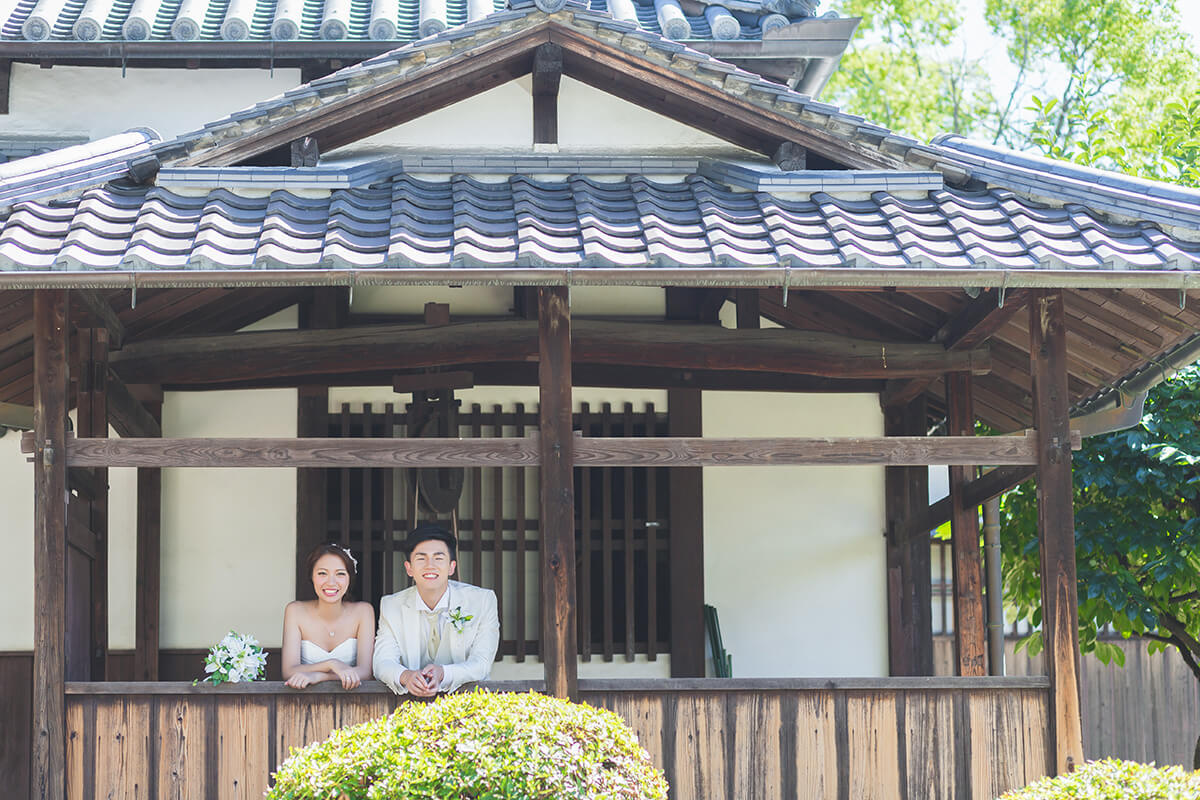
{"type": "Point", "coordinates": [437, 634]}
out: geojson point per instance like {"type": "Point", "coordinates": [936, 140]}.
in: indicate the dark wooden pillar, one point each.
{"type": "Point", "coordinates": [969, 628]}
{"type": "Point", "coordinates": [1056, 523]}
{"type": "Point", "coordinates": [50, 542]}
{"type": "Point", "coordinates": [687, 543]}
{"type": "Point", "coordinates": [328, 308]}
{"type": "Point", "coordinates": [149, 563]}
{"type": "Point", "coordinates": [559, 636]}
{"type": "Point", "coordinates": [748, 314]}
{"type": "Point", "coordinates": [910, 618]}
{"type": "Point", "coordinates": [547, 74]}
{"type": "Point", "coordinates": [91, 413]}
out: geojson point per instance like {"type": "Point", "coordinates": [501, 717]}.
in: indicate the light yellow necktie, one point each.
{"type": "Point", "coordinates": [434, 640]}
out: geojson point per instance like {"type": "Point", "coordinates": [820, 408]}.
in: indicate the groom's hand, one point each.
{"type": "Point", "coordinates": [434, 675]}
{"type": "Point", "coordinates": [416, 684]}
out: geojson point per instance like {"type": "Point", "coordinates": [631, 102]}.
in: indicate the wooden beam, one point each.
{"type": "Point", "coordinates": [547, 73]}
{"type": "Point", "coordinates": [523, 452]}
{"type": "Point", "coordinates": [686, 532]}
{"type": "Point", "coordinates": [148, 581]}
{"type": "Point", "coordinates": [13, 415]}
{"type": "Point", "coordinates": [559, 645]}
{"type": "Point", "coordinates": [50, 541]}
{"type": "Point", "coordinates": [969, 626]}
{"type": "Point", "coordinates": [910, 618]}
{"type": "Point", "coordinates": [968, 329]}
{"type": "Point", "coordinates": [992, 484]}
{"type": "Point", "coordinates": [276, 354]}
{"type": "Point", "coordinates": [91, 411]}
{"type": "Point", "coordinates": [748, 314]}
{"type": "Point", "coordinates": [102, 315]}
{"type": "Point", "coordinates": [1056, 524]}
{"type": "Point", "coordinates": [430, 381]}
{"type": "Point", "coordinates": [127, 414]}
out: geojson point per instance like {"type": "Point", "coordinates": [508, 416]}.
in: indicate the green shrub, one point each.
{"type": "Point", "coordinates": [477, 745]}
{"type": "Point", "coordinates": [1114, 780]}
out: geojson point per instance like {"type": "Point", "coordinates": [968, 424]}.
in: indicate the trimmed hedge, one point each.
{"type": "Point", "coordinates": [1114, 780]}
{"type": "Point", "coordinates": [476, 745]}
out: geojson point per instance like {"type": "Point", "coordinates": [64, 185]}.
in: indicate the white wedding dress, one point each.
{"type": "Point", "coordinates": [313, 653]}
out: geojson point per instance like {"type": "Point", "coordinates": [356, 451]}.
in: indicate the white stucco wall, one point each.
{"type": "Point", "coordinates": [467, 301]}
{"type": "Point", "coordinates": [16, 542]}
{"type": "Point", "coordinates": [794, 556]}
{"type": "Point", "coordinates": [98, 101]}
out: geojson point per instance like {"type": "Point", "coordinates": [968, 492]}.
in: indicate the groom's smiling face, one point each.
{"type": "Point", "coordinates": [430, 566]}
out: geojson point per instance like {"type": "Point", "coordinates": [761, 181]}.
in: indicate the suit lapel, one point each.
{"type": "Point", "coordinates": [410, 623]}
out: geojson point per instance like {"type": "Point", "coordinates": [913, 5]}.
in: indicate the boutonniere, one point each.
{"type": "Point", "coordinates": [459, 620]}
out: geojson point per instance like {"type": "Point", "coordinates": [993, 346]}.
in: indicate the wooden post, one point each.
{"type": "Point", "coordinates": [547, 74]}
{"type": "Point", "coordinates": [50, 543]}
{"type": "Point", "coordinates": [686, 531]}
{"type": "Point", "coordinates": [910, 618]}
{"type": "Point", "coordinates": [969, 638]}
{"type": "Point", "coordinates": [559, 636]}
{"type": "Point", "coordinates": [746, 301]}
{"type": "Point", "coordinates": [149, 564]}
{"type": "Point", "coordinates": [1056, 524]}
{"type": "Point", "coordinates": [92, 421]}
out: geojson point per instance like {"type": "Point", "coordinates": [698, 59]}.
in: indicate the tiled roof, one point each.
{"type": "Point", "coordinates": [379, 20]}
{"type": "Point", "coordinates": [579, 222]}
{"type": "Point", "coordinates": [73, 169]}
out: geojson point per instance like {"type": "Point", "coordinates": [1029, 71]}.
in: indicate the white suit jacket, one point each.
{"type": "Point", "coordinates": [398, 643]}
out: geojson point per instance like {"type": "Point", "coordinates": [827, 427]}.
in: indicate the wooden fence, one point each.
{"type": "Point", "coordinates": [1146, 711]}
{"type": "Point", "coordinates": [970, 739]}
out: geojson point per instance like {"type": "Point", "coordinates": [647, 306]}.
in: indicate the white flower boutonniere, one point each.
{"type": "Point", "coordinates": [459, 620]}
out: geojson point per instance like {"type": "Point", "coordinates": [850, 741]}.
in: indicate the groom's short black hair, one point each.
{"type": "Point", "coordinates": [427, 531]}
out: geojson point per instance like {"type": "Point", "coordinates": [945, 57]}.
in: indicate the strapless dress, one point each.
{"type": "Point", "coordinates": [313, 653]}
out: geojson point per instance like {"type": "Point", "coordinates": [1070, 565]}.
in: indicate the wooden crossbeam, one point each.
{"type": "Point", "coordinates": [270, 355]}
{"type": "Point", "coordinates": [970, 328]}
{"type": "Point", "coordinates": [102, 315]}
{"type": "Point", "coordinates": [126, 413]}
{"type": "Point", "coordinates": [524, 452]}
{"type": "Point", "coordinates": [976, 493]}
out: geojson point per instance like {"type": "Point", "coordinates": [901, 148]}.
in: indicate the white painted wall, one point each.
{"type": "Point", "coordinates": [794, 556]}
{"type": "Point", "coordinates": [467, 301]}
{"type": "Point", "coordinates": [98, 101]}
{"type": "Point", "coordinates": [16, 542]}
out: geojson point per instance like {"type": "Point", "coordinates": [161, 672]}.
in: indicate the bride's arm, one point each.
{"type": "Point", "coordinates": [290, 657]}
{"type": "Point", "coordinates": [366, 640]}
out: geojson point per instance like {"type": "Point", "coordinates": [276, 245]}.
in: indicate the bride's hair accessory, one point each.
{"type": "Point", "coordinates": [350, 556]}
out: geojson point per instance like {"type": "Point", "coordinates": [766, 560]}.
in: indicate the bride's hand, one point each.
{"type": "Point", "coordinates": [299, 680]}
{"type": "Point", "coordinates": [347, 675]}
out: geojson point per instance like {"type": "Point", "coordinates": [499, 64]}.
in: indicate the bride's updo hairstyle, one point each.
{"type": "Point", "coordinates": [332, 549]}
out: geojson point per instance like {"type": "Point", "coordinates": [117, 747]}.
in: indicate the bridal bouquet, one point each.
{"type": "Point", "coordinates": [234, 659]}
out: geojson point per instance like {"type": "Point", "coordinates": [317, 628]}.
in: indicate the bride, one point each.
{"type": "Point", "coordinates": [330, 638]}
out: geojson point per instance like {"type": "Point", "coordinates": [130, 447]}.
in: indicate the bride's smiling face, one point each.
{"type": "Point", "coordinates": [330, 578]}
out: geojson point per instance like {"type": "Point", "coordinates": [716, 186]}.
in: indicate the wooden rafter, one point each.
{"type": "Point", "coordinates": [260, 355]}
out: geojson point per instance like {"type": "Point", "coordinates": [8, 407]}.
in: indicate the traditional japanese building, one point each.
{"type": "Point", "coordinates": [650, 331]}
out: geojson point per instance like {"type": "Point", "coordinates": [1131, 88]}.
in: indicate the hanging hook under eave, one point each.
{"type": "Point", "coordinates": [1182, 299]}
{"type": "Point", "coordinates": [1001, 289]}
{"type": "Point", "coordinates": [787, 277]}
{"type": "Point", "coordinates": [133, 291]}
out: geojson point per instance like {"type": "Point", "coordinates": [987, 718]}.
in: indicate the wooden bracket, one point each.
{"type": "Point", "coordinates": [790, 157]}
{"type": "Point", "coordinates": [305, 152]}
{"type": "Point", "coordinates": [547, 74]}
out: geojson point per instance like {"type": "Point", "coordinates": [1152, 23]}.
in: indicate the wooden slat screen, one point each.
{"type": "Point", "coordinates": [621, 545]}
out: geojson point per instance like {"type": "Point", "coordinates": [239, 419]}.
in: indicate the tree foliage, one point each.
{"type": "Point", "coordinates": [1137, 530]}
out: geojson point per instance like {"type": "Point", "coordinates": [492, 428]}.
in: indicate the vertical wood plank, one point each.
{"type": "Point", "coordinates": [931, 749]}
{"type": "Point", "coordinates": [92, 421]}
{"type": "Point", "coordinates": [1056, 522]}
{"type": "Point", "coordinates": [686, 564]}
{"type": "Point", "coordinates": [344, 528]}
{"type": "Point", "coordinates": [78, 750]}
{"type": "Point", "coordinates": [389, 508]}
{"type": "Point", "coordinates": [50, 540]}
{"type": "Point", "coordinates": [299, 722]}
{"type": "Point", "coordinates": [757, 771]}
{"type": "Point", "coordinates": [586, 540]}
{"type": "Point", "coordinates": [644, 713]}
{"type": "Point", "coordinates": [16, 681]}
{"type": "Point", "coordinates": [149, 564]}
{"type": "Point", "coordinates": [366, 568]}
{"type": "Point", "coordinates": [123, 747]}
{"type": "Point", "coordinates": [630, 577]}
{"type": "Point", "coordinates": [557, 492]}
{"type": "Point", "coordinates": [312, 527]}
{"type": "Point", "coordinates": [521, 590]}
{"type": "Point", "coordinates": [477, 502]}
{"type": "Point", "coordinates": [873, 750]}
{"type": "Point", "coordinates": [969, 627]}
{"type": "Point", "coordinates": [651, 546]}
{"type": "Point", "coordinates": [816, 745]}
{"type": "Point", "coordinates": [702, 755]}
{"type": "Point", "coordinates": [606, 540]}
{"type": "Point", "coordinates": [183, 753]}
{"type": "Point", "coordinates": [996, 729]}
{"type": "Point", "coordinates": [243, 747]}
{"type": "Point", "coordinates": [498, 526]}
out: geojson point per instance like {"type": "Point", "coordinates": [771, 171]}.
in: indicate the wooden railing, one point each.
{"type": "Point", "coordinates": [881, 738]}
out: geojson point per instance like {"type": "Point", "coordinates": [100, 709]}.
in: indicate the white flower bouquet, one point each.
{"type": "Point", "coordinates": [234, 659]}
